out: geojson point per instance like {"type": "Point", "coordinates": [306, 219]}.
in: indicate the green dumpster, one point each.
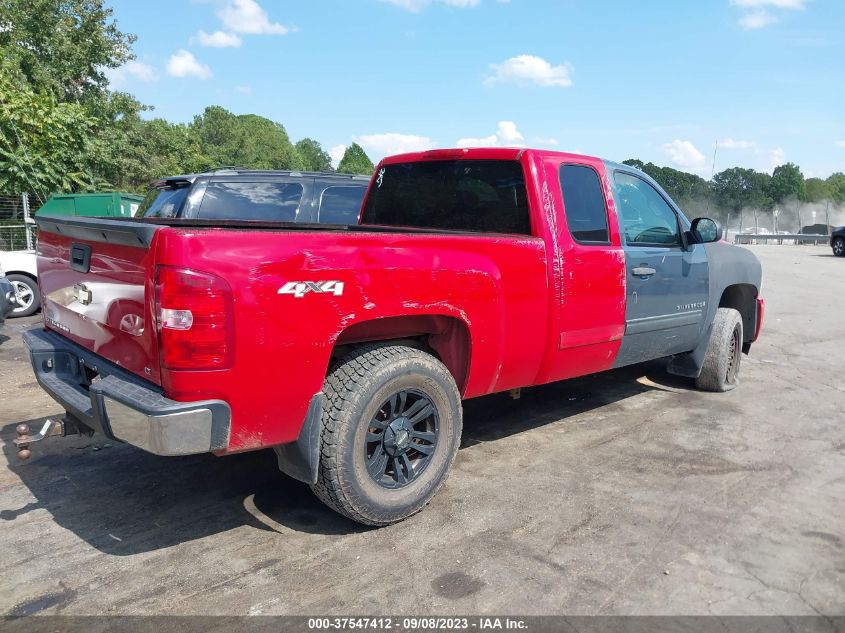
{"type": "Point", "coordinates": [89, 204]}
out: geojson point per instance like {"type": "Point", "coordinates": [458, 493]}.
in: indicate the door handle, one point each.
{"type": "Point", "coordinates": [643, 271]}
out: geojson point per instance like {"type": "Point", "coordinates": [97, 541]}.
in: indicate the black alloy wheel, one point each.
{"type": "Point", "coordinates": [401, 438]}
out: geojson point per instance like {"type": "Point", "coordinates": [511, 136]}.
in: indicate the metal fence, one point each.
{"type": "Point", "coordinates": [18, 237]}
{"type": "Point", "coordinates": [781, 238]}
{"type": "Point", "coordinates": [17, 228]}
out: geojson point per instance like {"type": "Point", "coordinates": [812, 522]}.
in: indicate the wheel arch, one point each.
{"type": "Point", "coordinates": [447, 337]}
{"type": "Point", "coordinates": [22, 273]}
{"type": "Point", "coordinates": [742, 297]}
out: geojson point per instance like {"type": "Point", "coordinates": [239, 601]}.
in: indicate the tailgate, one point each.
{"type": "Point", "coordinates": [95, 277]}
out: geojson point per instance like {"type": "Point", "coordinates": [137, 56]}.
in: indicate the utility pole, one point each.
{"type": "Point", "coordinates": [827, 218]}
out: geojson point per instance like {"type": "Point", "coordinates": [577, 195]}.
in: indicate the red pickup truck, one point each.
{"type": "Point", "coordinates": [348, 349]}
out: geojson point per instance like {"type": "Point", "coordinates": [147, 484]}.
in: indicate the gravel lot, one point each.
{"type": "Point", "coordinates": [624, 493]}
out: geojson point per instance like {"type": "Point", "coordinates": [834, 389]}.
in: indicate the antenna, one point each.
{"type": "Point", "coordinates": [713, 168]}
{"type": "Point", "coordinates": [710, 188]}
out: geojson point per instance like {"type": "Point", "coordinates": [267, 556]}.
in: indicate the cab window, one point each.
{"type": "Point", "coordinates": [583, 204]}
{"type": "Point", "coordinates": [647, 218]}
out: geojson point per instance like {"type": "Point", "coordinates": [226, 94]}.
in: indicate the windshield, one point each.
{"type": "Point", "coordinates": [163, 203]}
{"type": "Point", "coordinates": [463, 195]}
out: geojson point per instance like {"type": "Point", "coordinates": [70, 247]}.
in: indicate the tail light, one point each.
{"type": "Point", "coordinates": [196, 319]}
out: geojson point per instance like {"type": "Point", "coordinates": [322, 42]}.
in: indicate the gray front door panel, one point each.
{"type": "Point", "coordinates": [665, 312]}
{"type": "Point", "coordinates": [667, 285]}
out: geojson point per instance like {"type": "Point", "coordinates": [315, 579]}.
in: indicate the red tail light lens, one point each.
{"type": "Point", "coordinates": [196, 319]}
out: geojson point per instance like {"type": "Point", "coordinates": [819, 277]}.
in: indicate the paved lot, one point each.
{"type": "Point", "coordinates": [622, 493]}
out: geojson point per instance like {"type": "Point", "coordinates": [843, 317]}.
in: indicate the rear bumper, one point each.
{"type": "Point", "coordinates": [108, 399]}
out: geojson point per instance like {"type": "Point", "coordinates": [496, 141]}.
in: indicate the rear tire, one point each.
{"type": "Point", "coordinates": [839, 247]}
{"type": "Point", "coordinates": [391, 429]}
{"type": "Point", "coordinates": [26, 289]}
{"type": "Point", "coordinates": [720, 371]}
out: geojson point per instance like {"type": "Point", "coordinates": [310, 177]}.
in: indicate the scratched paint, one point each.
{"type": "Point", "coordinates": [536, 308]}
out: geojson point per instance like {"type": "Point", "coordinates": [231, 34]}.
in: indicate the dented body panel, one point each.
{"type": "Point", "coordinates": [501, 311]}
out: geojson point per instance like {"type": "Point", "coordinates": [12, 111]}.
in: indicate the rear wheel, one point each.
{"type": "Point", "coordinates": [26, 293]}
{"type": "Point", "coordinates": [720, 371]}
{"type": "Point", "coordinates": [839, 247]}
{"type": "Point", "coordinates": [391, 429]}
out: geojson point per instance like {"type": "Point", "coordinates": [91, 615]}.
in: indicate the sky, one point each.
{"type": "Point", "coordinates": [761, 82]}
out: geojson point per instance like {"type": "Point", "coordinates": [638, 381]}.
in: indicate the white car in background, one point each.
{"type": "Point", "coordinates": [21, 272]}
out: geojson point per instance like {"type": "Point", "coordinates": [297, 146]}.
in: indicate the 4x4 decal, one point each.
{"type": "Point", "coordinates": [300, 288]}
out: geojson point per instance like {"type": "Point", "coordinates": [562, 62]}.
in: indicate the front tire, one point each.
{"type": "Point", "coordinates": [839, 247]}
{"type": "Point", "coordinates": [391, 429]}
{"type": "Point", "coordinates": [720, 371]}
{"type": "Point", "coordinates": [26, 291]}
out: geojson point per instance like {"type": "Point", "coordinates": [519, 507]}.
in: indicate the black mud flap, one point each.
{"type": "Point", "coordinates": [301, 459]}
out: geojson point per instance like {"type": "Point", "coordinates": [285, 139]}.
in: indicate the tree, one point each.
{"type": "Point", "coordinates": [62, 46]}
{"type": "Point", "coordinates": [355, 161]}
{"type": "Point", "coordinates": [247, 140]}
{"type": "Point", "coordinates": [787, 181]}
{"type": "Point", "coordinates": [44, 144]}
{"type": "Point", "coordinates": [681, 186]}
{"type": "Point", "coordinates": [137, 152]}
{"type": "Point", "coordinates": [817, 190]}
{"type": "Point", "coordinates": [634, 162]}
{"type": "Point", "coordinates": [314, 158]}
{"type": "Point", "coordinates": [836, 185]}
{"type": "Point", "coordinates": [737, 188]}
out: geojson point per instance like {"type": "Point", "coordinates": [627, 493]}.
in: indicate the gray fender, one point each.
{"type": "Point", "coordinates": [728, 265]}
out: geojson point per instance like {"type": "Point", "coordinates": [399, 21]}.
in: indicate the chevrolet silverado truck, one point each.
{"type": "Point", "coordinates": [349, 349]}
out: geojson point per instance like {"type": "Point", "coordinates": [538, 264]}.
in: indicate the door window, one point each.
{"type": "Point", "coordinates": [583, 202]}
{"type": "Point", "coordinates": [647, 217]}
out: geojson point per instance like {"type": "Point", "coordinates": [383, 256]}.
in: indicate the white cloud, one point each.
{"type": "Point", "coordinates": [131, 70]}
{"type": "Point", "coordinates": [553, 142]}
{"type": "Point", "coordinates": [336, 154]}
{"type": "Point", "coordinates": [527, 69]}
{"type": "Point", "coordinates": [685, 155]}
{"type": "Point", "coordinates": [378, 146]}
{"type": "Point", "coordinates": [218, 39]}
{"type": "Point", "coordinates": [756, 14]}
{"type": "Point", "coordinates": [757, 20]}
{"type": "Point", "coordinates": [415, 6]}
{"type": "Point", "coordinates": [778, 4]}
{"type": "Point", "coordinates": [247, 16]}
{"type": "Point", "coordinates": [777, 157]}
{"type": "Point", "coordinates": [840, 143]}
{"type": "Point", "coordinates": [730, 143]}
{"type": "Point", "coordinates": [483, 141]}
{"type": "Point", "coordinates": [506, 135]}
{"type": "Point", "coordinates": [184, 64]}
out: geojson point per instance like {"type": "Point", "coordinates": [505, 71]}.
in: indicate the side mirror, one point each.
{"type": "Point", "coordinates": [705, 230]}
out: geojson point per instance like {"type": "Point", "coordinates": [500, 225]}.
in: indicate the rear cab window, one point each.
{"type": "Point", "coordinates": [482, 196]}
{"type": "Point", "coordinates": [584, 204]}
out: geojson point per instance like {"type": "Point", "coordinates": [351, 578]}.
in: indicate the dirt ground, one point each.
{"type": "Point", "coordinates": [623, 493]}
